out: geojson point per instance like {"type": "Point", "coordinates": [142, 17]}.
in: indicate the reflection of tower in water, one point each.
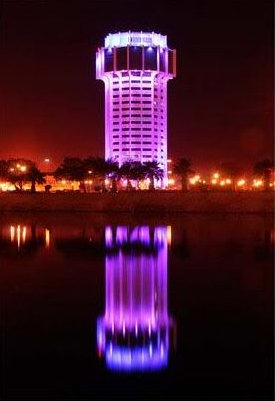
{"type": "Point", "coordinates": [134, 332]}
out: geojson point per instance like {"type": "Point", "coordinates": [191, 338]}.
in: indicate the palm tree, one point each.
{"type": "Point", "coordinates": [153, 172]}
{"type": "Point", "coordinates": [125, 172]}
{"type": "Point", "coordinates": [100, 168]}
{"type": "Point", "coordinates": [183, 168]}
{"type": "Point", "coordinates": [112, 171]}
{"type": "Point", "coordinates": [264, 169]}
{"type": "Point", "coordinates": [71, 169]}
{"type": "Point", "coordinates": [35, 176]}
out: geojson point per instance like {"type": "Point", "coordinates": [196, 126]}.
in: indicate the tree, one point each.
{"type": "Point", "coordinates": [264, 169]}
{"type": "Point", "coordinates": [153, 172]}
{"type": "Point", "coordinates": [35, 176]}
{"type": "Point", "coordinates": [183, 168]}
{"type": "Point", "coordinates": [100, 168]}
{"type": "Point", "coordinates": [3, 169]}
{"type": "Point", "coordinates": [71, 169]}
{"type": "Point", "coordinates": [17, 172]}
{"type": "Point", "coordinates": [133, 170]}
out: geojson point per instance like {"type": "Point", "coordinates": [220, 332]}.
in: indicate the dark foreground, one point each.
{"type": "Point", "coordinates": [136, 202]}
{"type": "Point", "coordinates": [219, 290]}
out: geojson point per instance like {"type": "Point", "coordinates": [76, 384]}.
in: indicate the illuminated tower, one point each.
{"type": "Point", "coordinates": [134, 332]}
{"type": "Point", "coordinates": [135, 67]}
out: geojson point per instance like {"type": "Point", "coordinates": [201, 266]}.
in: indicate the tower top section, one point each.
{"type": "Point", "coordinates": [122, 39]}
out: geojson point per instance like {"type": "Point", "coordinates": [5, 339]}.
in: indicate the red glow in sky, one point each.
{"type": "Point", "coordinates": [220, 107]}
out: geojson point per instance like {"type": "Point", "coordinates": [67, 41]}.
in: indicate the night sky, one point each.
{"type": "Point", "coordinates": [220, 106]}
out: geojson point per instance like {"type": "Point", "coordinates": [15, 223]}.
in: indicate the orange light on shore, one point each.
{"type": "Point", "coordinates": [23, 168]}
{"type": "Point", "coordinates": [222, 183]}
{"type": "Point", "coordinates": [228, 181]}
{"type": "Point", "coordinates": [241, 182]}
{"type": "Point", "coordinates": [171, 181]}
{"type": "Point", "coordinates": [214, 181]}
{"type": "Point", "coordinates": [216, 175]}
{"type": "Point", "coordinates": [257, 183]}
{"type": "Point", "coordinates": [194, 179]}
{"type": "Point", "coordinates": [47, 160]}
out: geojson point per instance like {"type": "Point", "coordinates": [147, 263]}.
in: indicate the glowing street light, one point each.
{"type": "Point", "coordinates": [216, 175]}
{"type": "Point", "coordinates": [241, 183]}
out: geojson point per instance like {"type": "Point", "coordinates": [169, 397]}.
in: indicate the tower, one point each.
{"type": "Point", "coordinates": [135, 68]}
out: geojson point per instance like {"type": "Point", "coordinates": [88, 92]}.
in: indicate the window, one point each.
{"type": "Point", "coordinates": [115, 102]}
{"type": "Point", "coordinates": [125, 115]}
{"type": "Point", "coordinates": [115, 150]}
{"type": "Point", "coordinates": [125, 101]}
{"type": "Point", "coordinates": [146, 88]}
{"type": "Point", "coordinates": [135, 108]}
{"type": "Point", "coordinates": [146, 136]}
{"type": "Point", "coordinates": [146, 129]}
{"type": "Point", "coordinates": [135, 74]}
{"type": "Point", "coordinates": [135, 122]}
{"type": "Point", "coordinates": [135, 129]}
{"type": "Point", "coordinates": [125, 136]}
{"type": "Point", "coordinates": [125, 129]}
{"type": "Point", "coordinates": [125, 108]}
{"type": "Point", "coordinates": [146, 108]}
{"type": "Point", "coordinates": [146, 95]}
{"type": "Point", "coordinates": [135, 115]}
{"type": "Point", "coordinates": [146, 143]}
{"type": "Point", "coordinates": [115, 136]}
{"type": "Point", "coordinates": [147, 156]}
{"type": "Point", "coordinates": [136, 143]}
{"type": "Point", "coordinates": [115, 123]}
{"type": "Point", "coordinates": [146, 115]}
{"type": "Point", "coordinates": [125, 143]}
{"type": "Point", "coordinates": [125, 149]}
{"type": "Point", "coordinates": [125, 122]}
{"type": "Point", "coordinates": [135, 87]}
{"type": "Point", "coordinates": [116, 109]}
{"type": "Point", "coordinates": [125, 95]}
{"type": "Point", "coordinates": [146, 80]}
{"type": "Point", "coordinates": [135, 81]}
{"type": "Point", "coordinates": [136, 149]}
{"type": "Point", "coordinates": [146, 102]}
{"type": "Point", "coordinates": [146, 150]}
{"type": "Point", "coordinates": [114, 96]}
{"type": "Point", "coordinates": [135, 102]}
{"type": "Point", "coordinates": [125, 88]}
{"type": "Point", "coordinates": [115, 116]}
{"type": "Point", "coordinates": [115, 89]}
{"type": "Point", "coordinates": [115, 143]}
{"type": "Point", "coordinates": [115, 129]}
{"type": "Point", "coordinates": [136, 94]}
{"type": "Point", "coordinates": [135, 136]}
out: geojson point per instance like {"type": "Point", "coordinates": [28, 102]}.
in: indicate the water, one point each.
{"type": "Point", "coordinates": [97, 305]}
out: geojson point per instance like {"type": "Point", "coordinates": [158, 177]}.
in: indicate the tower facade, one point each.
{"type": "Point", "coordinates": [135, 68]}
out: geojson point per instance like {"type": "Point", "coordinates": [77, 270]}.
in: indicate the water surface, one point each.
{"type": "Point", "coordinates": [95, 304]}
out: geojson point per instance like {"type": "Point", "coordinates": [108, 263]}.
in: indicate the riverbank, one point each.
{"type": "Point", "coordinates": [139, 202]}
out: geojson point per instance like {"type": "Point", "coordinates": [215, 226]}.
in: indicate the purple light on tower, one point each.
{"type": "Point", "coordinates": [133, 334]}
{"type": "Point", "coordinates": [135, 67]}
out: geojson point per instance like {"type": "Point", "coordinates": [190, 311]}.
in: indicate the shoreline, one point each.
{"type": "Point", "coordinates": [141, 202]}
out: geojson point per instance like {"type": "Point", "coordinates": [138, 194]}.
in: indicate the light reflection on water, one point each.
{"type": "Point", "coordinates": [133, 334]}
{"type": "Point", "coordinates": [86, 297]}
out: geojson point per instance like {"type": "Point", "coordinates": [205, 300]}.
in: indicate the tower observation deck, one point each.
{"type": "Point", "coordinates": [135, 68]}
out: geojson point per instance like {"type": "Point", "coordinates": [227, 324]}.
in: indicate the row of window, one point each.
{"type": "Point", "coordinates": [135, 129]}
{"type": "Point", "coordinates": [138, 136]}
{"type": "Point", "coordinates": [135, 150]}
{"type": "Point", "coordinates": [135, 115]}
{"type": "Point", "coordinates": [133, 102]}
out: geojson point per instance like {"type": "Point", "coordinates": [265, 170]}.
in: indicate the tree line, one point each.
{"type": "Point", "coordinates": [19, 171]}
